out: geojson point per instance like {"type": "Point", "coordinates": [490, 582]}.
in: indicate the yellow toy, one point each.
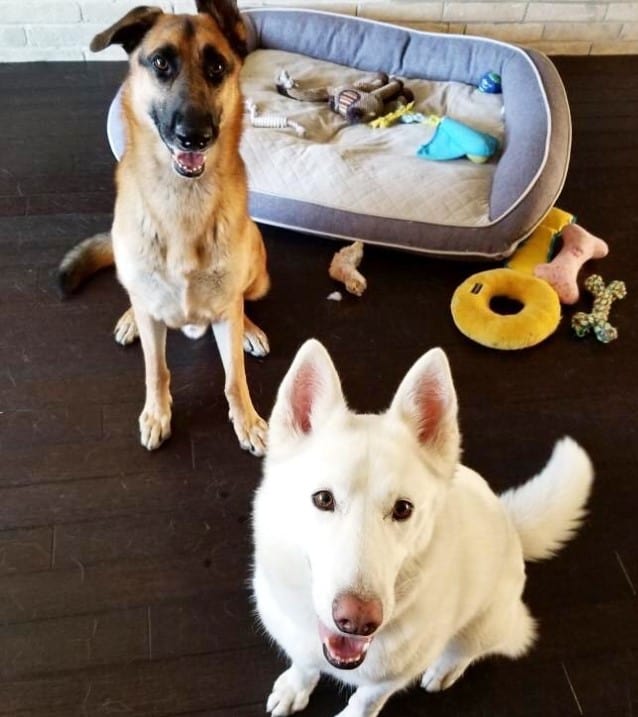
{"type": "Point", "coordinates": [474, 315]}
{"type": "Point", "coordinates": [539, 246]}
{"type": "Point", "coordinates": [539, 315]}
{"type": "Point", "coordinates": [391, 118]}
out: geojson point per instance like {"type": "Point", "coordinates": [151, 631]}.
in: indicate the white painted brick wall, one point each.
{"type": "Point", "coordinates": [62, 29]}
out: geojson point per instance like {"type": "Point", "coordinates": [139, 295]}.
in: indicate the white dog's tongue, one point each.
{"type": "Point", "coordinates": [346, 649]}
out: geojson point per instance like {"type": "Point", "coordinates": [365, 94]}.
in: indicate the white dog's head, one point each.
{"type": "Point", "coordinates": [358, 494]}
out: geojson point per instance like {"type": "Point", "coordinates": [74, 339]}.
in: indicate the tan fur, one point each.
{"type": "Point", "coordinates": [185, 249]}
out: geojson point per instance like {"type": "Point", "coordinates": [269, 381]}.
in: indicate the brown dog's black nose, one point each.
{"type": "Point", "coordinates": [194, 130]}
{"type": "Point", "coordinates": [356, 616]}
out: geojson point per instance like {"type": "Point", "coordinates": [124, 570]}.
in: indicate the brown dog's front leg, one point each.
{"type": "Point", "coordinates": [250, 428]}
{"type": "Point", "coordinates": [155, 419]}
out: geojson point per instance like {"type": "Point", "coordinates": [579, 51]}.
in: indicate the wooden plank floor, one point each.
{"type": "Point", "coordinates": [123, 574]}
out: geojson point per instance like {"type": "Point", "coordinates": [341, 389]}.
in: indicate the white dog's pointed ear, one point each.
{"type": "Point", "coordinates": [426, 402]}
{"type": "Point", "coordinates": [310, 391]}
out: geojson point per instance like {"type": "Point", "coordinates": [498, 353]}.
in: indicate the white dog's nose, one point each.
{"type": "Point", "coordinates": [355, 615]}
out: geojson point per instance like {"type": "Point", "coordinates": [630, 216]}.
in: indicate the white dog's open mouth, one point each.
{"type": "Point", "coordinates": [189, 164]}
{"type": "Point", "coordinates": [343, 651]}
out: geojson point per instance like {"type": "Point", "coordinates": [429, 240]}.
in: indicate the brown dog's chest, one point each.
{"type": "Point", "coordinates": [180, 281]}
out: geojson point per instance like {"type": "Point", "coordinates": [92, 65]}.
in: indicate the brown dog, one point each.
{"type": "Point", "coordinates": [183, 244]}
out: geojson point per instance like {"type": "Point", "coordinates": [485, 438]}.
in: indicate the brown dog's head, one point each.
{"type": "Point", "coordinates": [184, 74]}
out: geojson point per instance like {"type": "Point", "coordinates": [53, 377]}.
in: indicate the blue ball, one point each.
{"type": "Point", "coordinates": [490, 83]}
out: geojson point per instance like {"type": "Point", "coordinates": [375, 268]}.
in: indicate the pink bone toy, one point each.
{"type": "Point", "coordinates": [578, 247]}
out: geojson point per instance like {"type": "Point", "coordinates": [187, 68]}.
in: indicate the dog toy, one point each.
{"type": "Point", "coordinates": [598, 320]}
{"type": "Point", "coordinates": [578, 247]}
{"type": "Point", "coordinates": [362, 101]}
{"type": "Point", "coordinates": [391, 118]}
{"type": "Point", "coordinates": [475, 302]}
{"type": "Point", "coordinates": [490, 83]}
{"type": "Point", "coordinates": [453, 139]}
{"type": "Point", "coordinates": [473, 309]}
{"type": "Point", "coordinates": [343, 268]}
{"type": "Point", "coordinates": [271, 120]}
{"type": "Point", "coordinates": [539, 245]}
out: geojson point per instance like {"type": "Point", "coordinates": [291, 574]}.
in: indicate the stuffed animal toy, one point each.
{"type": "Point", "coordinates": [598, 320]}
{"type": "Point", "coordinates": [561, 272]}
{"type": "Point", "coordinates": [362, 101]}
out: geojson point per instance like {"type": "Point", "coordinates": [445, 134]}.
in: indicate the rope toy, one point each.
{"type": "Point", "coordinates": [343, 268]}
{"type": "Point", "coordinates": [387, 120]}
{"type": "Point", "coordinates": [272, 121]}
{"type": "Point", "coordinates": [561, 272]}
{"type": "Point", "coordinates": [598, 320]}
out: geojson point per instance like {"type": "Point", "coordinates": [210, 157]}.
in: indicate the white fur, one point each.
{"type": "Point", "coordinates": [449, 578]}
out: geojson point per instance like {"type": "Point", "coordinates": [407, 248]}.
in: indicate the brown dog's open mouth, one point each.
{"type": "Point", "coordinates": [189, 164]}
{"type": "Point", "coordinates": [344, 651]}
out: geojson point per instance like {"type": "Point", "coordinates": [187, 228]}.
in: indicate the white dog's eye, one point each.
{"type": "Point", "coordinates": [324, 500]}
{"type": "Point", "coordinates": [402, 510]}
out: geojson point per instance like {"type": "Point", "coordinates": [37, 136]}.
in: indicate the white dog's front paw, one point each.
{"type": "Point", "coordinates": [194, 331]}
{"type": "Point", "coordinates": [443, 673]}
{"type": "Point", "coordinates": [290, 693]}
{"type": "Point", "coordinates": [155, 427]}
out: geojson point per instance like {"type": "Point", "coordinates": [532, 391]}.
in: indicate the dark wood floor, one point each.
{"type": "Point", "coordinates": [123, 574]}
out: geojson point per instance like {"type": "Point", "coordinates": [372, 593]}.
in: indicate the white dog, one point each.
{"type": "Point", "coordinates": [379, 559]}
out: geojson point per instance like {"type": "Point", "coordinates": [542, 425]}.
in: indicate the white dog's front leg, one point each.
{"type": "Point", "coordinates": [291, 691]}
{"type": "Point", "coordinates": [368, 701]}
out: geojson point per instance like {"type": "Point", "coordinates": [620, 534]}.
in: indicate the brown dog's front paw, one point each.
{"type": "Point", "coordinates": [125, 331]}
{"type": "Point", "coordinates": [255, 340]}
{"type": "Point", "coordinates": [155, 427]}
{"type": "Point", "coordinates": [252, 433]}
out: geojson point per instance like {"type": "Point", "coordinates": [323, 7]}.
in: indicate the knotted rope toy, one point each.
{"type": "Point", "coordinates": [343, 268]}
{"type": "Point", "coordinates": [598, 320]}
{"type": "Point", "coordinates": [271, 120]}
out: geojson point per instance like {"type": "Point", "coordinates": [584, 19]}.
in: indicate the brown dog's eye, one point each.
{"type": "Point", "coordinates": [215, 70]}
{"type": "Point", "coordinates": [402, 510]}
{"type": "Point", "coordinates": [160, 64]}
{"type": "Point", "coordinates": [324, 500]}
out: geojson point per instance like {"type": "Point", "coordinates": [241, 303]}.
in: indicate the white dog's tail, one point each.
{"type": "Point", "coordinates": [549, 508]}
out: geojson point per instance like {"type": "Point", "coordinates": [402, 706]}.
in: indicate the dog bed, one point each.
{"type": "Point", "coordinates": [356, 182]}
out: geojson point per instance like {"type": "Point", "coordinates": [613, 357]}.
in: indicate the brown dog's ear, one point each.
{"type": "Point", "coordinates": [129, 31]}
{"type": "Point", "coordinates": [226, 14]}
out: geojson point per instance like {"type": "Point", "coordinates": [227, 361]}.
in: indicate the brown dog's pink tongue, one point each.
{"type": "Point", "coordinates": [190, 160]}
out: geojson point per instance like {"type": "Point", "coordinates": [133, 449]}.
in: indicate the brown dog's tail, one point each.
{"type": "Point", "coordinates": [84, 260]}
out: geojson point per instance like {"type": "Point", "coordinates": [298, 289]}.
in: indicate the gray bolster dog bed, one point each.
{"type": "Point", "coordinates": [356, 182]}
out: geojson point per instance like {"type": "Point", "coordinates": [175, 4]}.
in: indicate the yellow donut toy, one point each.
{"type": "Point", "coordinates": [475, 302]}
{"type": "Point", "coordinates": [474, 314]}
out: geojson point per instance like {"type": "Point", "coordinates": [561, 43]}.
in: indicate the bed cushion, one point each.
{"type": "Point", "coordinates": [359, 169]}
{"type": "Point", "coordinates": [356, 182]}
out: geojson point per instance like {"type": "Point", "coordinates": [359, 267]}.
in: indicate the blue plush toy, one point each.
{"type": "Point", "coordinates": [453, 140]}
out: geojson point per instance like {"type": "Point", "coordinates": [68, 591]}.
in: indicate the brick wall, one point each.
{"type": "Point", "coordinates": [62, 29]}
